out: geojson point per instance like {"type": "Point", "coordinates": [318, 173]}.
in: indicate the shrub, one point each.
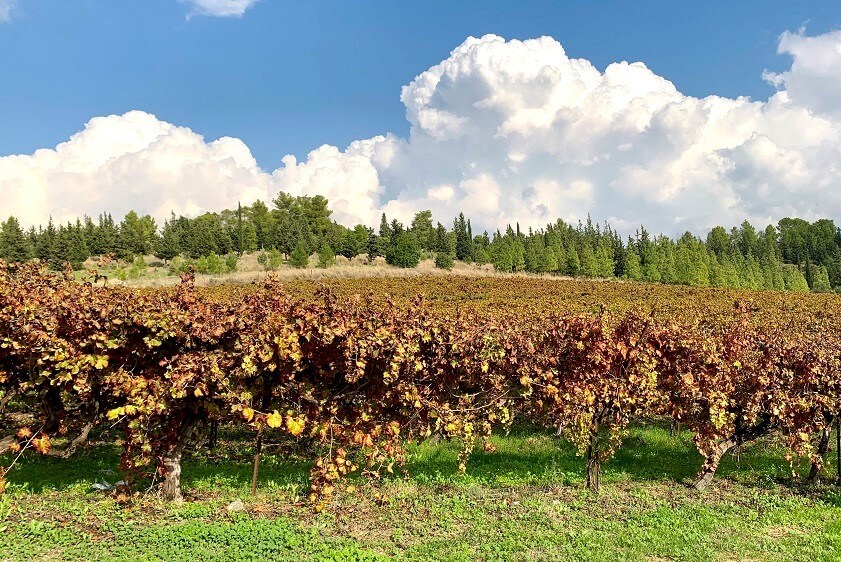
{"type": "Point", "coordinates": [270, 260]}
{"type": "Point", "coordinates": [443, 261]}
{"type": "Point", "coordinates": [177, 266]}
{"type": "Point", "coordinates": [405, 252]}
{"type": "Point", "coordinates": [231, 262]}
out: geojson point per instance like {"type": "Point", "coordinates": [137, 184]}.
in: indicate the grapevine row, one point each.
{"type": "Point", "coordinates": [355, 379]}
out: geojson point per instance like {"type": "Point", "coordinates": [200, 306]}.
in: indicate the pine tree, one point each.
{"type": "Point", "coordinates": [168, 246]}
{"type": "Point", "coordinates": [61, 249]}
{"type": "Point", "coordinates": [573, 265]}
{"type": "Point", "coordinates": [326, 256]}
{"type": "Point", "coordinates": [518, 253]}
{"type": "Point", "coordinates": [793, 279]}
{"type": "Point", "coordinates": [589, 264]}
{"type": "Point", "coordinates": [422, 227]}
{"type": "Point", "coordinates": [46, 243]}
{"type": "Point", "coordinates": [684, 266]}
{"type": "Point", "coordinates": [300, 256]}
{"type": "Point", "coordinates": [633, 268]}
{"type": "Point", "coordinates": [14, 245]}
{"type": "Point", "coordinates": [820, 279]}
{"type": "Point", "coordinates": [604, 259]}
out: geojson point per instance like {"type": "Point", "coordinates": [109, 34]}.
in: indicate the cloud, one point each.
{"type": "Point", "coordinates": [219, 8]}
{"type": "Point", "coordinates": [6, 7]}
{"type": "Point", "coordinates": [131, 161]}
{"type": "Point", "coordinates": [505, 131]}
{"type": "Point", "coordinates": [518, 131]}
{"type": "Point", "coordinates": [814, 80]}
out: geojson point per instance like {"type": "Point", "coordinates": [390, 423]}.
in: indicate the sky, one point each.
{"type": "Point", "coordinates": [192, 105]}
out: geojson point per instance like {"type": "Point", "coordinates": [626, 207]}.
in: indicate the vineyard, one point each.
{"type": "Point", "coordinates": [354, 377]}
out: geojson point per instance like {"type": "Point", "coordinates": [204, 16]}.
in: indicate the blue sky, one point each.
{"type": "Point", "coordinates": [289, 76]}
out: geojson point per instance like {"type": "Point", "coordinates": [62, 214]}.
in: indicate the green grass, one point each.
{"type": "Point", "coordinates": [526, 501]}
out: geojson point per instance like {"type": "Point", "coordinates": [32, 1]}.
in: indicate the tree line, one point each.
{"type": "Point", "coordinates": [794, 255]}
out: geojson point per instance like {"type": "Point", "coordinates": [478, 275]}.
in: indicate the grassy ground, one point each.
{"type": "Point", "coordinates": [523, 502]}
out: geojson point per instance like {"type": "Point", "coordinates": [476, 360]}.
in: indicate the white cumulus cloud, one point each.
{"type": "Point", "coordinates": [131, 161]}
{"type": "Point", "coordinates": [504, 131]}
{"type": "Point", "coordinates": [519, 131]}
{"type": "Point", "coordinates": [219, 8]}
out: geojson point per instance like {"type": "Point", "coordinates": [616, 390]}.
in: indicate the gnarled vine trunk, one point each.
{"type": "Point", "coordinates": [705, 477]}
{"type": "Point", "coordinates": [823, 447]}
{"type": "Point", "coordinates": [593, 461]}
{"type": "Point", "coordinates": [53, 410]}
{"type": "Point", "coordinates": [711, 465]}
{"type": "Point", "coordinates": [171, 462]}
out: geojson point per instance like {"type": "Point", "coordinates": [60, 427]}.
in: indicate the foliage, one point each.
{"type": "Point", "coordinates": [270, 260]}
{"type": "Point", "coordinates": [326, 256]}
{"type": "Point", "coordinates": [355, 380]}
{"type": "Point", "coordinates": [405, 252]}
{"type": "Point", "coordinates": [443, 261]}
{"type": "Point", "coordinates": [299, 257]}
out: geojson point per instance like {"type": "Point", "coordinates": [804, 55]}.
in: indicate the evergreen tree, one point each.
{"type": "Point", "coordinates": [69, 247]}
{"type": "Point", "coordinates": [405, 250]}
{"type": "Point", "coordinates": [604, 258]}
{"type": "Point", "coordinates": [633, 268]}
{"type": "Point", "coordinates": [206, 236]}
{"type": "Point", "coordinates": [550, 260]}
{"type": "Point", "coordinates": [684, 266]}
{"type": "Point", "coordinates": [482, 256]}
{"type": "Point", "coordinates": [718, 242]}
{"type": "Point", "coordinates": [443, 261]}
{"type": "Point", "coordinates": [384, 239]}
{"type": "Point", "coordinates": [464, 241]}
{"type": "Point", "coordinates": [14, 245]}
{"type": "Point", "coordinates": [78, 249]}
{"type": "Point", "coordinates": [793, 279]}
{"type": "Point", "coordinates": [589, 264]}
{"type": "Point", "coordinates": [501, 251]}
{"type": "Point", "coordinates": [300, 256]}
{"type": "Point", "coordinates": [573, 266]}
{"type": "Point", "coordinates": [258, 215]}
{"type": "Point", "coordinates": [373, 246]}
{"type": "Point", "coordinates": [326, 256]}
{"type": "Point", "coordinates": [355, 242]}
{"type": "Point", "coordinates": [136, 235]}
{"type": "Point", "coordinates": [46, 243]}
{"type": "Point", "coordinates": [820, 279]}
{"type": "Point", "coordinates": [518, 253]}
{"type": "Point", "coordinates": [440, 240]}
{"type": "Point", "coordinates": [168, 246]}
{"type": "Point", "coordinates": [422, 228]}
